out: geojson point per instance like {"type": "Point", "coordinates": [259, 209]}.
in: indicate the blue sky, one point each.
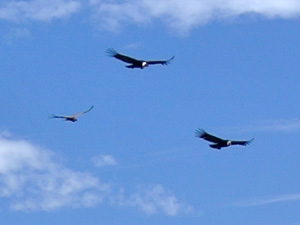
{"type": "Point", "coordinates": [134, 159]}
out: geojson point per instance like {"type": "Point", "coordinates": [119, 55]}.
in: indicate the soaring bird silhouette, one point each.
{"type": "Point", "coordinates": [136, 63]}
{"type": "Point", "coordinates": [72, 118]}
{"type": "Point", "coordinates": [219, 142]}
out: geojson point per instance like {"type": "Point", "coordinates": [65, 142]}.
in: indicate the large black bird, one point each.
{"type": "Point", "coordinates": [136, 63]}
{"type": "Point", "coordinates": [219, 142]}
{"type": "Point", "coordinates": [72, 118]}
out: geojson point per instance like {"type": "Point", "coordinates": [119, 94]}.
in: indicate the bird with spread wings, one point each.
{"type": "Point", "coordinates": [72, 118]}
{"type": "Point", "coordinates": [219, 142]}
{"type": "Point", "coordinates": [136, 63]}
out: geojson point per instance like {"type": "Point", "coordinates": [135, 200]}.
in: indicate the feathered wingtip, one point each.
{"type": "Point", "coordinates": [51, 116]}
{"type": "Point", "coordinates": [249, 142]}
{"type": "Point", "coordinates": [199, 133]}
{"type": "Point", "coordinates": [169, 60]}
{"type": "Point", "coordinates": [111, 52]}
{"type": "Point", "coordinates": [89, 109]}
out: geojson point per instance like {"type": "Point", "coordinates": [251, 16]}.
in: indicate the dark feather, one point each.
{"type": "Point", "coordinates": [208, 137]}
{"type": "Point", "coordinates": [242, 142]}
{"type": "Point", "coordinates": [55, 116]}
{"type": "Point", "coordinates": [113, 53]}
{"type": "Point", "coordinates": [163, 62]}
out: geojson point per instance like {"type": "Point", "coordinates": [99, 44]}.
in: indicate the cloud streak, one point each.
{"type": "Point", "coordinates": [280, 125]}
{"type": "Point", "coordinates": [270, 200]}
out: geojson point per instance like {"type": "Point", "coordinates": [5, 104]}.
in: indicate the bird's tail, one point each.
{"type": "Point", "coordinates": [217, 147]}
{"type": "Point", "coordinates": [130, 66]}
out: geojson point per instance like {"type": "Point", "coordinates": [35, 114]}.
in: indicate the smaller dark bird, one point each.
{"type": "Point", "coordinates": [72, 118]}
{"type": "Point", "coordinates": [136, 63]}
{"type": "Point", "coordinates": [219, 142]}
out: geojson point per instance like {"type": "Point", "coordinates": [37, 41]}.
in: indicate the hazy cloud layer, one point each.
{"type": "Point", "coordinates": [180, 15]}
{"type": "Point", "coordinates": [32, 179]}
{"type": "Point", "coordinates": [40, 10]}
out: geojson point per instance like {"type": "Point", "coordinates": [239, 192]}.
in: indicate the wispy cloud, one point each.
{"type": "Point", "coordinates": [104, 160]}
{"type": "Point", "coordinates": [269, 200]}
{"type": "Point", "coordinates": [133, 45]}
{"type": "Point", "coordinates": [185, 15]}
{"type": "Point", "coordinates": [16, 33]}
{"type": "Point", "coordinates": [154, 199]}
{"type": "Point", "coordinates": [280, 125]}
{"type": "Point", "coordinates": [32, 179]}
{"type": "Point", "coordinates": [179, 15]}
{"type": "Point", "coordinates": [39, 10]}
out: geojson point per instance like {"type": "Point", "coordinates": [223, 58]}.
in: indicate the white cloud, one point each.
{"type": "Point", "coordinates": [185, 15]}
{"type": "Point", "coordinates": [104, 160]}
{"type": "Point", "coordinates": [32, 180]}
{"type": "Point", "coordinates": [269, 200]}
{"type": "Point", "coordinates": [153, 200]}
{"type": "Point", "coordinates": [40, 10]}
{"type": "Point", "coordinates": [181, 16]}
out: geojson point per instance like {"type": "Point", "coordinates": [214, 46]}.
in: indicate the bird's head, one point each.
{"type": "Point", "coordinates": [144, 64]}
{"type": "Point", "coordinates": [228, 143]}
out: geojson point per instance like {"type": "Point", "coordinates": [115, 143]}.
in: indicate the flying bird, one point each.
{"type": "Point", "coordinates": [136, 63]}
{"type": "Point", "coordinates": [72, 118]}
{"type": "Point", "coordinates": [219, 142]}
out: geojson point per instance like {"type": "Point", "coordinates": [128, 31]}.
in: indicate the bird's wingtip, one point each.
{"type": "Point", "coordinates": [51, 116]}
{"type": "Point", "coordinates": [169, 60]}
{"type": "Point", "coordinates": [111, 52]}
{"type": "Point", "coordinates": [199, 132]}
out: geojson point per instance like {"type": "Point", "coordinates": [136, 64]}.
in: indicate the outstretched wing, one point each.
{"type": "Point", "coordinates": [56, 116]}
{"type": "Point", "coordinates": [208, 137]}
{"type": "Point", "coordinates": [80, 113]}
{"type": "Point", "coordinates": [241, 142]}
{"type": "Point", "coordinates": [113, 53]}
{"type": "Point", "coordinates": [163, 62]}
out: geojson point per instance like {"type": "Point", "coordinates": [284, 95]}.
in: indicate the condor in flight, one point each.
{"type": "Point", "coordinates": [72, 118]}
{"type": "Point", "coordinates": [136, 63]}
{"type": "Point", "coordinates": [218, 142]}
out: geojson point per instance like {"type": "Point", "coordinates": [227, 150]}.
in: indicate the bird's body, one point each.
{"type": "Point", "coordinates": [72, 118]}
{"type": "Point", "coordinates": [67, 118]}
{"type": "Point", "coordinates": [135, 63]}
{"type": "Point", "coordinates": [219, 142]}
